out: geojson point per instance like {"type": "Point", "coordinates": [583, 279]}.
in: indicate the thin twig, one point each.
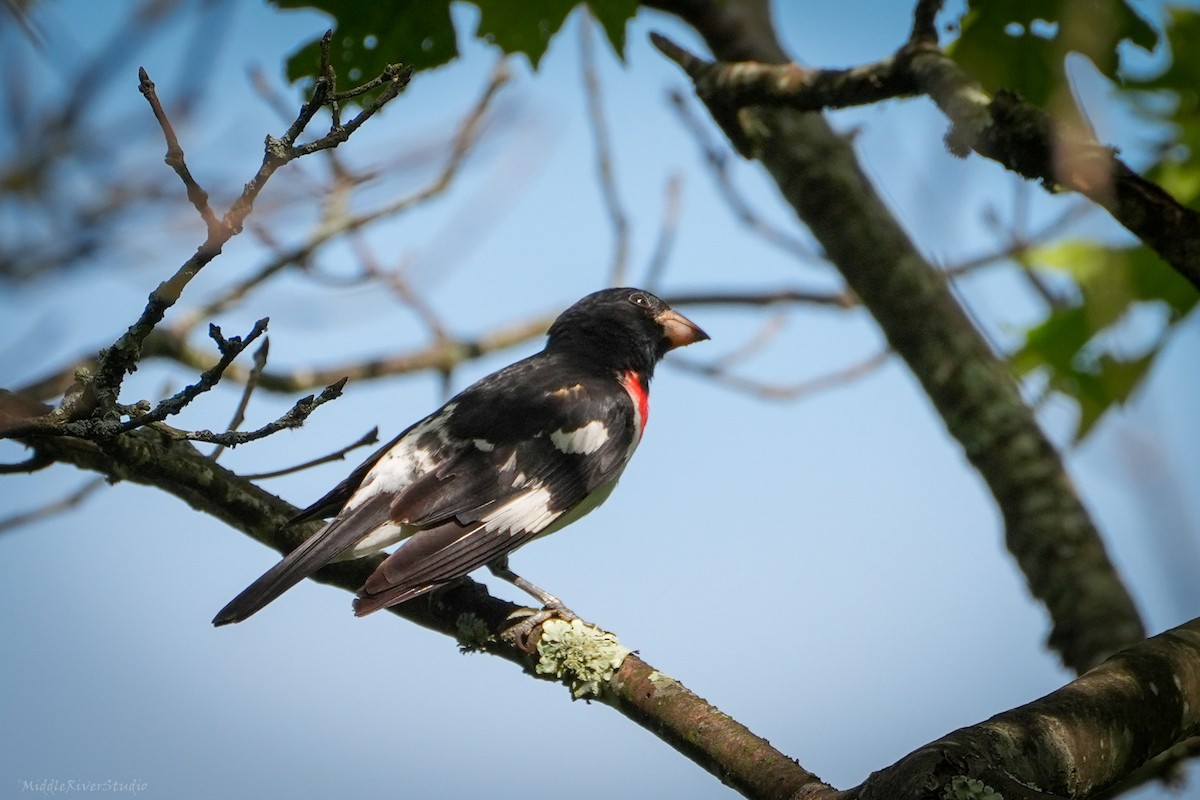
{"type": "Point", "coordinates": [50, 509]}
{"type": "Point", "coordinates": [371, 437]}
{"type": "Point", "coordinates": [115, 362]}
{"type": "Point", "coordinates": [717, 160]}
{"type": "Point", "coordinates": [464, 141]}
{"type": "Point", "coordinates": [239, 415]}
{"type": "Point", "coordinates": [842, 299]}
{"type": "Point", "coordinates": [786, 392]}
{"type": "Point", "coordinates": [604, 157]}
{"type": "Point", "coordinates": [395, 282]}
{"type": "Point", "coordinates": [229, 349]}
{"type": "Point", "coordinates": [767, 332]}
{"type": "Point", "coordinates": [667, 230]}
{"type": "Point", "coordinates": [174, 158]}
{"type": "Point", "coordinates": [35, 462]}
{"type": "Point", "coordinates": [294, 418]}
{"type": "Point", "coordinates": [1019, 244]}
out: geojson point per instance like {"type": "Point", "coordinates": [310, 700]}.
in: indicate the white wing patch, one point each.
{"type": "Point", "coordinates": [410, 458]}
{"type": "Point", "coordinates": [484, 445]}
{"type": "Point", "coordinates": [529, 511]}
{"type": "Point", "coordinates": [585, 440]}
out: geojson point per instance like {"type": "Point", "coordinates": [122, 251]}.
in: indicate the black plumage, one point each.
{"type": "Point", "coordinates": [519, 454]}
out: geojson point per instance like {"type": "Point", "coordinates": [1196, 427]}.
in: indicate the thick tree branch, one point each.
{"type": "Point", "coordinates": [1075, 742]}
{"type": "Point", "coordinates": [1048, 529]}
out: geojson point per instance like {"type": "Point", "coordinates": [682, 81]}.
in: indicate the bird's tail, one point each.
{"type": "Point", "coordinates": [316, 551]}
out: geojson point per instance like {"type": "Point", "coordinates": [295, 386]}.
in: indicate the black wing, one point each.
{"type": "Point", "coordinates": [541, 448]}
{"type": "Point", "coordinates": [363, 506]}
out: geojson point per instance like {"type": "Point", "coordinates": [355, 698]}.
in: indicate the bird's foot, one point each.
{"type": "Point", "coordinates": [531, 619]}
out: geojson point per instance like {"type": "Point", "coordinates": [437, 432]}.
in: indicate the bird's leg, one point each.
{"type": "Point", "coordinates": [531, 619]}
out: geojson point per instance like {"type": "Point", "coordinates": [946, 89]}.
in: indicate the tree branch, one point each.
{"type": "Point", "coordinates": [604, 160]}
{"type": "Point", "coordinates": [174, 158]}
{"type": "Point", "coordinates": [464, 611]}
{"type": "Point", "coordinates": [1003, 128]}
{"type": "Point", "coordinates": [1048, 529]}
{"type": "Point", "coordinates": [116, 361]}
{"type": "Point", "coordinates": [1075, 742]}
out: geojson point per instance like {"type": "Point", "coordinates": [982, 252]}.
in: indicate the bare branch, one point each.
{"type": "Point", "coordinates": [175, 159]}
{"type": "Point", "coordinates": [121, 358]}
{"type": "Point", "coordinates": [67, 503]}
{"type": "Point", "coordinates": [239, 414]}
{"type": "Point", "coordinates": [752, 83]}
{"type": "Point", "coordinates": [369, 438]}
{"type": "Point", "coordinates": [924, 29]}
{"type": "Point", "coordinates": [667, 229]}
{"type": "Point", "coordinates": [842, 299]}
{"type": "Point", "coordinates": [396, 283]}
{"type": "Point", "coordinates": [604, 158]}
{"type": "Point", "coordinates": [464, 141]}
{"type": "Point", "coordinates": [229, 349]}
{"type": "Point", "coordinates": [786, 392]}
{"type": "Point", "coordinates": [294, 418]}
{"type": "Point", "coordinates": [717, 160]}
{"type": "Point", "coordinates": [35, 462]}
{"type": "Point", "coordinates": [648, 697]}
{"type": "Point", "coordinates": [1074, 742]}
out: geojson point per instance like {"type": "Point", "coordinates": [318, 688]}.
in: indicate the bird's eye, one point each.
{"type": "Point", "coordinates": [639, 300]}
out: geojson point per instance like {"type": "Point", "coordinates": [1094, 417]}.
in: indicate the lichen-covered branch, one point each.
{"type": "Point", "coordinates": [1075, 742]}
{"type": "Point", "coordinates": [465, 611]}
{"type": "Point", "coordinates": [1048, 529]}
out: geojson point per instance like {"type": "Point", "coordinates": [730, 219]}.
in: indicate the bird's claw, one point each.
{"type": "Point", "coordinates": [531, 619]}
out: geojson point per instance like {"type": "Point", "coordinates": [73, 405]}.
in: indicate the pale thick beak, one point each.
{"type": "Point", "coordinates": [680, 331]}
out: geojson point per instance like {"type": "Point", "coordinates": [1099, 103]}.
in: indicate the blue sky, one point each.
{"type": "Point", "coordinates": [829, 572]}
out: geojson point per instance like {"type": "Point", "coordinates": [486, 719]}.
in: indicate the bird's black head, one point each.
{"type": "Point", "coordinates": [622, 329]}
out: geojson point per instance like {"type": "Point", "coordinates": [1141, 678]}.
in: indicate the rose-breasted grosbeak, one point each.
{"type": "Point", "coordinates": [522, 453]}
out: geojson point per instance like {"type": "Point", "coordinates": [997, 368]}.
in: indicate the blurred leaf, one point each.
{"type": "Point", "coordinates": [612, 16]}
{"type": "Point", "coordinates": [420, 33]}
{"type": "Point", "coordinates": [1023, 44]}
{"type": "Point", "coordinates": [522, 27]}
{"type": "Point", "coordinates": [1069, 345]}
{"type": "Point", "coordinates": [1172, 97]}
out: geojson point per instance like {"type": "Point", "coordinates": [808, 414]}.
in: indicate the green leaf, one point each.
{"type": "Point", "coordinates": [1069, 345]}
{"type": "Point", "coordinates": [523, 26]}
{"type": "Point", "coordinates": [1022, 45]}
{"type": "Point", "coordinates": [613, 15]}
{"type": "Point", "coordinates": [413, 32]}
{"type": "Point", "coordinates": [420, 33]}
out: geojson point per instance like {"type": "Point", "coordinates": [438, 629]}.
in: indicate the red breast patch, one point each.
{"type": "Point", "coordinates": [641, 399]}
